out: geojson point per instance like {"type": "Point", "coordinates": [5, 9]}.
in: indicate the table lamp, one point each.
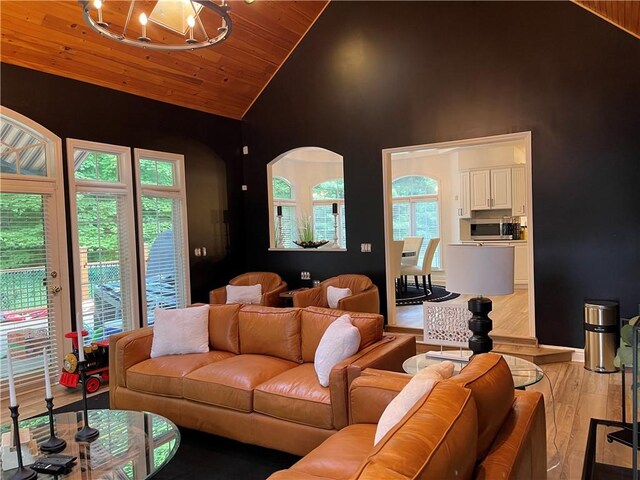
{"type": "Point", "coordinates": [480, 270]}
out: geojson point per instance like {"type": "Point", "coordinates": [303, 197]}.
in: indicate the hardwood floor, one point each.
{"type": "Point", "coordinates": [578, 393]}
{"type": "Point", "coordinates": [510, 314]}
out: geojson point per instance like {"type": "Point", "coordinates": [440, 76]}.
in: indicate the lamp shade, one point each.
{"type": "Point", "coordinates": [480, 269]}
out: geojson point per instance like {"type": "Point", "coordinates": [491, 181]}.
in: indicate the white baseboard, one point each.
{"type": "Point", "coordinates": [576, 356]}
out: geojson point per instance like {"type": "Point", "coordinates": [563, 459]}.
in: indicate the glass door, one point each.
{"type": "Point", "coordinates": [34, 308]}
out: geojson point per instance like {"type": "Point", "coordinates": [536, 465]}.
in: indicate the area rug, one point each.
{"type": "Point", "coordinates": [416, 296]}
{"type": "Point", "coordinates": [204, 456]}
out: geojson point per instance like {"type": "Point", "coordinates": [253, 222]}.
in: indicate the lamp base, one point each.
{"type": "Point", "coordinates": [87, 434]}
{"type": "Point", "coordinates": [53, 445]}
{"type": "Point", "coordinates": [24, 473]}
{"type": "Point", "coordinates": [480, 324]}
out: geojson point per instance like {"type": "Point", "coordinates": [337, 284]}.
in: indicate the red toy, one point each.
{"type": "Point", "coordinates": [97, 358]}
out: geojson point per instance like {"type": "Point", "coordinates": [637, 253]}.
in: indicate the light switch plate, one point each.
{"type": "Point", "coordinates": [365, 247]}
{"type": "Point", "coordinates": [244, 188]}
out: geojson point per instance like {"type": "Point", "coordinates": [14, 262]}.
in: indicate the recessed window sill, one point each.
{"type": "Point", "coordinates": [335, 250]}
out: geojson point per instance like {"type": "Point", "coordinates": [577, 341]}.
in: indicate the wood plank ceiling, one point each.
{"type": "Point", "coordinates": [624, 13]}
{"type": "Point", "coordinates": [225, 79]}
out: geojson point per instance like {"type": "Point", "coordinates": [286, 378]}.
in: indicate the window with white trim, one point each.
{"type": "Point", "coordinates": [416, 211]}
{"type": "Point", "coordinates": [324, 195]}
{"type": "Point", "coordinates": [162, 228]}
{"type": "Point", "coordinates": [103, 235]}
{"type": "Point", "coordinates": [284, 196]}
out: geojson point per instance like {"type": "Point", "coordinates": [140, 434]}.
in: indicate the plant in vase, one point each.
{"type": "Point", "coordinates": [305, 234]}
{"type": "Point", "coordinates": [624, 355]}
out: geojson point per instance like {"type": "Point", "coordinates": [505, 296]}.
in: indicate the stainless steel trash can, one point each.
{"type": "Point", "coordinates": [602, 334]}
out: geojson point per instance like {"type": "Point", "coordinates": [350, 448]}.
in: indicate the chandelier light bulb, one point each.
{"type": "Point", "coordinates": [97, 4]}
{"type": "Point", "coordinates": [191, 21]}
{"type": "Point", "coordinates": [143, 19]}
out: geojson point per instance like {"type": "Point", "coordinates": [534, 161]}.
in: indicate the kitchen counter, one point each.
{"type": "Point", "coordinates": [493, 241]}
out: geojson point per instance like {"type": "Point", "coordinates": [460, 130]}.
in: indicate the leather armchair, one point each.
{"type": "Point", "coordinates": [364, 294]}
{"type": "Point", "coordinates": [272, 287]}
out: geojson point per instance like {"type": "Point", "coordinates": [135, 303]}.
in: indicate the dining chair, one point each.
{"type": "Point", "coordinates": [425, 269]}
{"type": "Point", "coordinates": [410, 254]}
{"type": "Point", "coordinates": [396, 263]}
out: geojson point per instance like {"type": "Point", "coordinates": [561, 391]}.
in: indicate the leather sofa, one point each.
{"type": "Point", "coordinates": [272, 287]}
{"type": "Point", "coordinates": [473, 425]}
{"type": "Point", "coordinates": [257, 384]}
{"type": "Point", "coordinates": [364, 294]}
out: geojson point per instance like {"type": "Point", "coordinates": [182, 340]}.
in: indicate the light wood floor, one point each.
{"type": "Point", "coordinates": [510, 314]}
{"type": "Point", "coordinates": [579, 395]}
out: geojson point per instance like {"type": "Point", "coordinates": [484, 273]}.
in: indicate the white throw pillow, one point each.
{"type": "Point", "coordinates": [240, 294]}
{"type": "Point", "coordinates": [422, 383]}
{"type": "Point", "coordinates": [180, 331]}
{"type": "Point", "coordinates": [335, 294]}
{"type": "Point", "coordinates": [340, 340]}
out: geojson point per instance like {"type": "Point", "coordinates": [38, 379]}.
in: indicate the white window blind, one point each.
{"type": "Point", "coordinates": [103, 236]}
{"type": "Point", "coordinates": [289, 224]}
{"type": "Point", "coordinates": [27, 320]}
{"type": "Point", "coordinates": [164, 262]}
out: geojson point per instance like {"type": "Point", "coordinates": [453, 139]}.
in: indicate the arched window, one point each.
{"type": "Point", "coordinates": [416, 211]}
{"type": "Point", "coordinates": [283, 196]}
{"type": "Point", "coordinates": [324, 195]}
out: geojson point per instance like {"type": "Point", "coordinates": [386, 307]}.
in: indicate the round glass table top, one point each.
{"type": "Point", "coordinates": [131, 445]}
{"type": "Point", "coordinates": [524, 373]}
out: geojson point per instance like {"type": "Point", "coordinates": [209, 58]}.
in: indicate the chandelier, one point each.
{"type": "Point", "coordinates": [183, 24]}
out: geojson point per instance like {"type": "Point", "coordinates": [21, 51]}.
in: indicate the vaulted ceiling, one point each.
{"type": "Point", "coordinates": [226, 79]}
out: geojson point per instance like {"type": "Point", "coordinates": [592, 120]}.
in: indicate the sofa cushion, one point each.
{"type": "Point", "coordinates": [489, 378]}
{"type": "Point", "coordinates": [230, 383]}
{"type": "Point", "coordinates": [270, 331]}
{"type": "Point", "coordinates": [340, 341]}
{"type": "Point", "coordinates": [315, 320]}
{"type": "Point", "coordinates": [297, 396]}
{"type": "Point", "coordinates": [335, 294]}
{"type": "Point", "coordinates": [223, 328]}
{"type": "Point", "coordinates": [432, 441]}
{"type": "Point", "coordinates": [422, 383]}
{"type": "Point", "coordinates": [164, 375]}
{"type": "Point", "coordinates": [244, 294]}
{"type": "Point", "coordinates": [180, 331]}
{"type": "Point", "coordinates": [338, 457]}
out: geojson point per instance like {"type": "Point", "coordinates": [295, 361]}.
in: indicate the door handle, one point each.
{"type": "Point", "coordinates": [488, 202]}
{"type": "Point", "coordinates": [55, 289]}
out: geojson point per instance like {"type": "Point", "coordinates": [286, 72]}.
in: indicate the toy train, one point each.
{"type": "Point", "coordinates": [97, 357]}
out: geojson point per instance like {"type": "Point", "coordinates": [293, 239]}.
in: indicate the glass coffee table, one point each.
{"type": "Point", "coordinates": [131, 445]}
{"type": "Point", "coordinates": [524, 373]}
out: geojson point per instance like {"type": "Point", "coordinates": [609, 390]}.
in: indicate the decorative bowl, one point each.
{"type": "Point", "coordinates": [311, 244]}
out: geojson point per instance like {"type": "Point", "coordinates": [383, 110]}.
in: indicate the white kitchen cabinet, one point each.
{"type": "Point", "coordinates": [520, 264]}
{"type": "Point", "coordinates": [480, 189]}
{"type": "Point", "coordinates": [464, 200]}
{"type": "Point", "coordinates": [500, 188]}
{"type": "Point", "coordinates": [518, 191]}
{"type": "Point", "coordinates": [490, 189]}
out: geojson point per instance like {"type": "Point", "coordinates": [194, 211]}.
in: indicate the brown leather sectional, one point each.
{"type": "Point", "coordinates": [257, 383]}
{"type": "Point", "coordinates": [473, 425]}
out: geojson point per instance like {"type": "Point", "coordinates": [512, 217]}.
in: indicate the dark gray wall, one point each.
{"type": "Point", "coordinates": [376, 75]}
{"type": "Point", "coordinates": [210, 144]}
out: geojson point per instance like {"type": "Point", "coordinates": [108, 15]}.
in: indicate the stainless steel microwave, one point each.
{"type": "Point", "coordinates": [487, 229]}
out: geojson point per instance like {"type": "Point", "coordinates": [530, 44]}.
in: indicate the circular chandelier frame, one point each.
{"type": "Point", "coordinates": [143, 42]}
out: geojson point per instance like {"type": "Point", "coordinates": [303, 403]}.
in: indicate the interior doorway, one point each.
{"type": "Point", "coordinates": [448, 191]}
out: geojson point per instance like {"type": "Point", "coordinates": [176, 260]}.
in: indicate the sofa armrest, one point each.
{"type": "Point", "coordinates": [389, 356]}
{"type": "Point", "coordinates": [125, 350]}
{"type": "Point", "coordinates": [218, 296]}
{"type": "Point", "coordinates": [367, 301]}
{"type": "Point", "coordinates": [311, 297]}
{"type": "Point", "coordinates": [388, 353]}
{"type": "Point", "coordinates": [370, 394]}
{"type": "Point", "coordinates": [520, 447]}
{"type": "Point", "coordinates": [272, 298]}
